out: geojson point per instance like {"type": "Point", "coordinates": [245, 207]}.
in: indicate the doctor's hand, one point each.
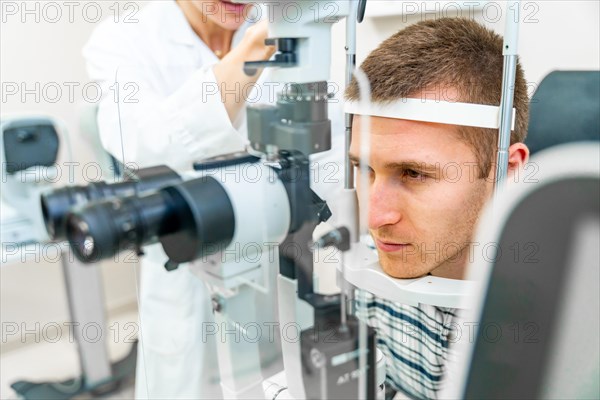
{"type": "Point", "coordinates": [229, 72]}
{"type": "Point", "coordinates": [253, 43]}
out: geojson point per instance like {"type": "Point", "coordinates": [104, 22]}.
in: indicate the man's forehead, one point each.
{"type": "Point", "coordinates": [405, 138]}
{"type": "Point", "coordinates": [401, 142]}
{"type": "Point", "coordinates": [385, 126]}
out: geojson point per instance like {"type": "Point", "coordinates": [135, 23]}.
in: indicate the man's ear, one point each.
{"type": "Point", "coordinates": [518, 156]}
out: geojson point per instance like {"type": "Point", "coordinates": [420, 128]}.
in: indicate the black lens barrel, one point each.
{"type": "Point", "coordinates": [191, 219]}
{"type": "Point", "coordinates": [56, 204]}
{"type": "Point", "coordinates": [102, 229]}
{"type": "Point", "coordinates": [207, 220]}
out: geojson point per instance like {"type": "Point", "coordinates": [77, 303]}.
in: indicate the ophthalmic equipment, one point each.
{"type": "Point", "coordinates": [238, 232]}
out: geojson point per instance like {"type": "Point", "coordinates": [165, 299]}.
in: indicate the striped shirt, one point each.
{"type": "Point", "coordinates": [415, 341]}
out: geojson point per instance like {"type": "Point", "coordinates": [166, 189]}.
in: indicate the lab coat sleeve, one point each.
{"type": "Point", "coordinates": [141, 121]}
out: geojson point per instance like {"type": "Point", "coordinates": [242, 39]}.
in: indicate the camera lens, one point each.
{"type": "Point", "coordinates": [102, 229]}
{"type": "Point", "coordinates": [56, 204]}
{"type": "Point", "coordinates": [82, 238]}
{"type": "Point", "coordinates": [190, 218]}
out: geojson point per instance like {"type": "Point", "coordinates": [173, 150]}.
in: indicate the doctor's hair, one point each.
{"type": "Point", "coordinates": [447, 55]}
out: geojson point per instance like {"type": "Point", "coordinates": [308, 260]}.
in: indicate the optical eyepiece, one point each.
{"type": "Point", "coordinates": [190, 219]}
{"type": "Point", "coordinates": [56, 204]}
{"type": "Point", "coordinates": [102, 229]}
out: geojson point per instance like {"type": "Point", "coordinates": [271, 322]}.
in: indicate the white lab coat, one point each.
{"type": "Point", "coordinates": [164, 115]}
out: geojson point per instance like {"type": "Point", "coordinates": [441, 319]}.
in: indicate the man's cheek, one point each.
{"type": "Point", "coordinates": [410, 254]}
{"type": "Point", "coordinates": [430, 254]}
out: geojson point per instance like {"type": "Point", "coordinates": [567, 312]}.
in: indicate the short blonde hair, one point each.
{"type": "Point", "coordinates": [447, 53]}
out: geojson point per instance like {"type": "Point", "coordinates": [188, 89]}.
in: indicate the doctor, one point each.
{"type": "Point", "coordinates": [174, 92]}
{"type": "Point", "coordinates": [165, 70]}
{"type": "Point", "coordinates": [160, 105]}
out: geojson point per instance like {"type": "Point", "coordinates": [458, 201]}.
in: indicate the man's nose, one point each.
{"type": "Point", "coordinates": [383, 206]}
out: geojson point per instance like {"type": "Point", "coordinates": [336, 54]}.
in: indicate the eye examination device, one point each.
{"type": "Point", "coordinates": [245, 223]}
{"type": "Point", "coordinates": [28, 153]}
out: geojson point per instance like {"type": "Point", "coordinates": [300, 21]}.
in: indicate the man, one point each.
{"type": "Point", "coordinates": [422, 213]}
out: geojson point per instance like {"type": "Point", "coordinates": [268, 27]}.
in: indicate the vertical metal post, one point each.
{"type": "Point", "coordinates": [351, 23]}
{"type": "Point", "coordinates": [239, 357]}
{"type": "Point", "coordinates": [511, 36]}
{"type": "Point", "coordinates": [350, 66]}
{"type": "Point", "coordinates": [85, 295]}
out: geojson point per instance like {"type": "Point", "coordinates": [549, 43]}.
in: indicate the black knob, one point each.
{"type": "Point", "coordinates": [362, 7]}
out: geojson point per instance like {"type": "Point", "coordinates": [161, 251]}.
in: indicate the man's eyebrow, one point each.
{"type": "Point", "coordinates": [412, 164]}
{"type": "Point", "coordinates": [403, 165]}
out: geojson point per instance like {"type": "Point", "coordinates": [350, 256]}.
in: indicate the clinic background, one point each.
{"type": "Point", "coordinates": [554, 35]}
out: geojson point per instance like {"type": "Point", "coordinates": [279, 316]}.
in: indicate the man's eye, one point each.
{"type": "Point", "coordinates": [412, 174]}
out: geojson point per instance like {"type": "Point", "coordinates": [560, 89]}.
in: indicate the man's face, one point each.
{"type": "Point", "coordinates": [425, 195]}
{"type": "Point", "coordinates": [226, 14]}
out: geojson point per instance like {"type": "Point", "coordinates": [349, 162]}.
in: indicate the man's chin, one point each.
{"type": "Point", "coordinates": [401, 270]}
